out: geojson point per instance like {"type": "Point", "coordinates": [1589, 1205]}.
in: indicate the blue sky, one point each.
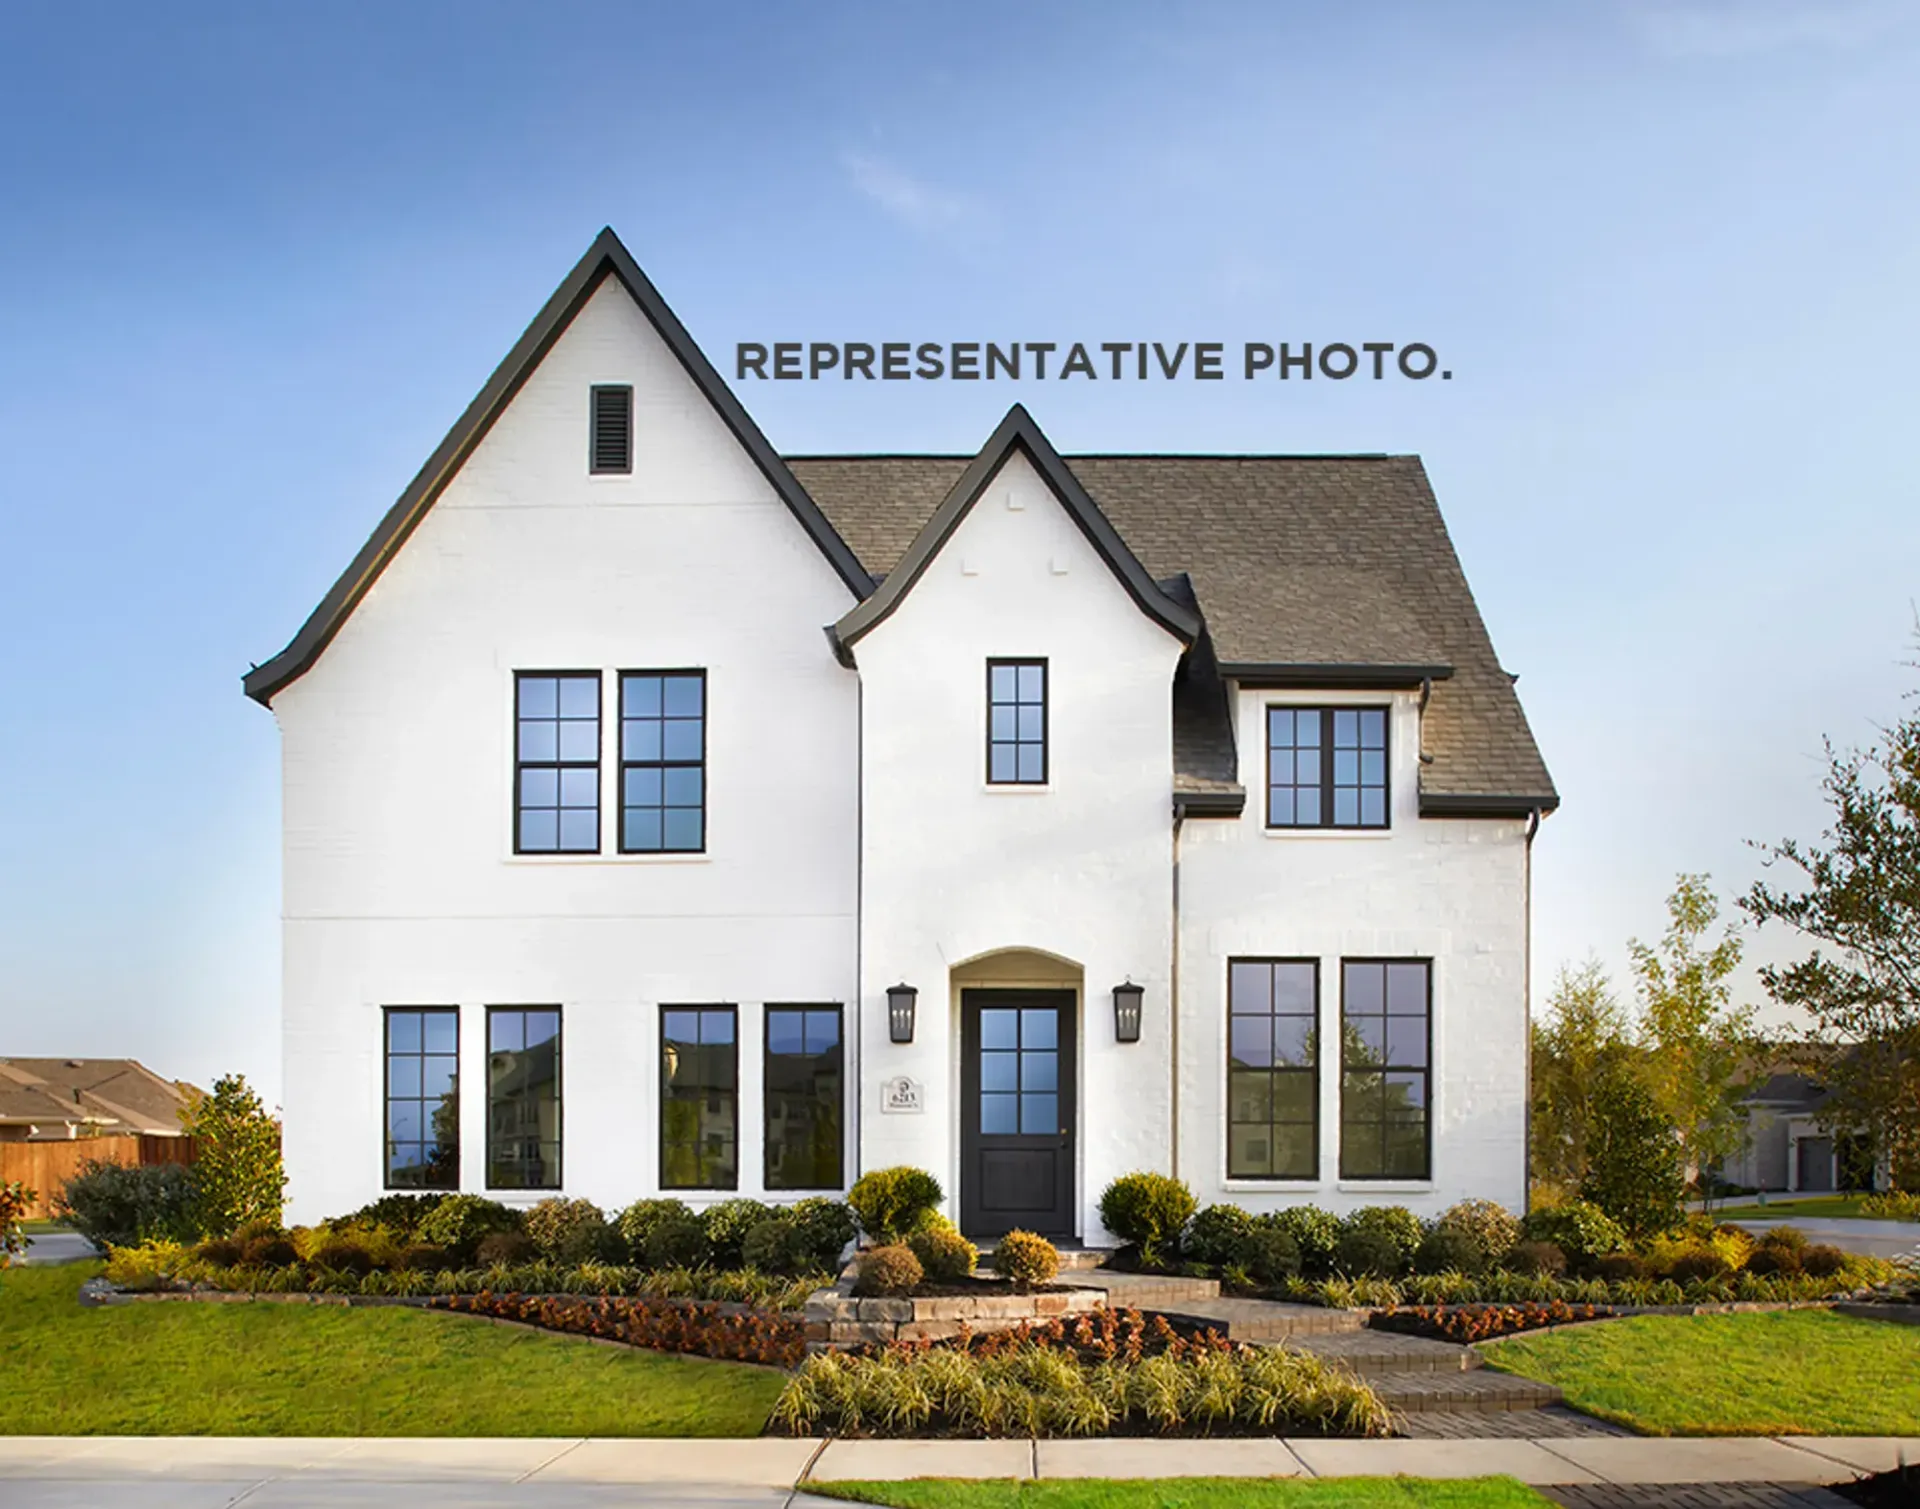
{"type": "Point", "coordinates": [254, 260]}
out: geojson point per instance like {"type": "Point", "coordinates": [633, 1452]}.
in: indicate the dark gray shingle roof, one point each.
{"type": "Point", "coordinates": [1293, 560]}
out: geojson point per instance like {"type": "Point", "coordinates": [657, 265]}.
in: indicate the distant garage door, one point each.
{"type": "Point", "coordinates": [1816, 1163]}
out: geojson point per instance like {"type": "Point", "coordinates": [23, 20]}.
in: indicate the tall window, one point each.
{"type": "Point", "coordinates": [1017, 722]}
{"type": "Point", "coordinates": [663, 752]}
{"type": "Point", "coordinates": [523, 1097]}
{"type": "Point", "coordinates": [1273, 1100]}
{"type": "Point", "coordinates": [556, 777]}
{"type": "Point", "coordinates": [1386, 1032]}
{"type": "Point", "coordinates": [610, 446]}
{"type": "Point", "coordinates": [423, 1097]}
{"type": "Point", "coordinates": [699, 1098]}
{"type": "Point", "coordinates": [1326, 767]}
{"type": "Point", "coordinates": [803, 1087]}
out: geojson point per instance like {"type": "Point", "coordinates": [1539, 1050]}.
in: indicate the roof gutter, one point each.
{"type": "Point", "coordinates": [1279, 675]}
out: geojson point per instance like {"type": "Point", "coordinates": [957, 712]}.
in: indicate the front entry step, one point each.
{"type": "Point", "coordinates": [1479, 1391]}
{"type": "Point", "coordinates": [1376, 1354]}
{"type": "Point", "coordinates": [1144, 1291]}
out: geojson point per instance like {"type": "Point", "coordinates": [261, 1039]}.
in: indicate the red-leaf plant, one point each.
{"type": "Point", "coordinates": [768, 1337]}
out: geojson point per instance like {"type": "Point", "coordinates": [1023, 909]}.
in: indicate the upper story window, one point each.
{"type": "Point", "coordinates": [1017, 722]}
{"type": "Point", "coordinates": [556, 775]}
{"type": "Point", "coordinates": [610, 444]}
{"type": "Point", "coordinates": [663, 755]}
{"type": "Point", "coordinates": [1326, 767]}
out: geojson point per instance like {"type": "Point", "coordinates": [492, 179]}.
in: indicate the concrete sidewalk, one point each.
{"type": "Point", "coordinates": [174, 1472]}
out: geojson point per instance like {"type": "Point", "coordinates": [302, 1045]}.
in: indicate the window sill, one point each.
{"type": "Point", "coordinates": [608, 859]}
{"type": "Point", "coordinates": [1322, 834]}
{"type": "Point", "coordinates": [1277, 1186]}
{"type": "Point", "coordinates": [1016, 788]}
{"type": "Point", "coordinates": [1385, 1186]}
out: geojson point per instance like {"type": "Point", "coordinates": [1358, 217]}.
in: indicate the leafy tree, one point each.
{"type": "Point", "coordinates": [1585, 1030]}
{"type": "Point", "coordinates": [1856, 897]}
{"type": "Point", "coordinates": [1699, 1043]}
{"type": "Point", "coordinates": [239, 1176]}
{"type": "Point", "coordinates": [1634, 1172]}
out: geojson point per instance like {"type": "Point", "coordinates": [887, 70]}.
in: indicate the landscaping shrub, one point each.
{"type": "Point", "coordinates": [15, 1199]}
{"type": "Point", "coordinates": [222, 1252]}
{"type": "Point", "coordinates": [887, 1271]}
{"type": "Point", "coordinates": [890, 1202]}
{"type": "Point", "coordinates": [637, 1222]}
{"type": "Point", "coordinates": [238, 1176]}
{"type": "Point", "coordinates": [505, 1249]}
{"type": "Point", "coordinates": [1449, 1249]}
{"type": "Point", "coordinates": [554, 1223]}
{"type": "Point", "coordinates": [1544, 1259]}
{"type": "Point", "coordinates": [1636, 1171]}
{"type": "Point", "coordinates": [945, 1256]}
{"type": "Point", "coordinates": [458, 1223]}
{"type": "Point", "coordinates": [727, 1226]}
{"type": "Point", "coordinates": [1488, 1222]}
{"type": "Point", "coordinates": [1026, 1258]}
{"type": "Point", "coordinates": [761, 1336]}
{"type": "Point", "coordinates": [253, 1231]}
{"type": "Point", "coordinates": [776, 1244]}
{"type": "Point", "coordinates": [1268, 1255]}
{"type": "Point", "coordinates": [1768, 1259]}
{"type": "Point", "coordinates": [114, 1205]}
{"type": "Point", "coordinates": [679, 1242]}
{"type": "Point", "coordinates": [1787, 1238]}
{"type": "Point", "coordinates": [1622, 1268]}
{"type": "Point", "coordinates": [344, 1257]}
{"type": "Point", "coordinates": [1149, 1211]}
{"type": "Point", "coordinates": [424, 1257]}
{"type": "Point", "coordinates": [1367, 1251]}
{"type": "Point", "coordinates": [1214, 1237]}
{"type": "Point", "coordinates": [1315, 1231]}
{"type": "Point", "coordinates": [593, 1242]}
{"type": "Point", "coordinates": [1697, 1266]}
{"type": "Point", "coordinates": [1892, 1204]}
{"type": "Point", "coordinates": [1823, 1261]}
{"type": "Point", "coordinates": [403, 1213]}
{"type": "Point", "coordinates": [269, 1252]}
{"type": "Point", "coordinates": [828, 1227]}
{"type": "Point", "coordinates": [1394, 1222]}
{"type": "Point", "coordinates": [1583, 1232]}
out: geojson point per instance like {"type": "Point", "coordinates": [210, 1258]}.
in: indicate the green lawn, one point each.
{"type": "Point", "coordinates": [299, 1370]}
{"type": "Point", "coordinates": [1193, 1493]}
{"type": "Point", "coordinates": [1781, 1372]}
{"type": "Point", "coordinates": [1811, 1208]}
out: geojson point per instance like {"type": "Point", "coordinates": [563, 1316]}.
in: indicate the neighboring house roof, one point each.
{"type": "Point", "coordinates": [120, 1093]}
{"type": "Point", "coordinates": [1795, 1091]}
{"type": "Point", "coordinates": [1308, 570]}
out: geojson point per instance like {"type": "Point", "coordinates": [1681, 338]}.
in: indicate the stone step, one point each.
{"type": "Point", "coordinates": [1258, 1319]}
{"type": "Point", "coordinates": [1143, 1291]}
{"type": "Point", "coordinates": [1375, 1354]}
{"type": "Point", "coordinates": [1481, 1391]}
{"type": "Point", "coordinates": [1072, 1259]}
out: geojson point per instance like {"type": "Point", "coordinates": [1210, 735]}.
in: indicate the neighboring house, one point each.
{"type": "Point", "coordinates": [1788, 1147]}
{"type": "Point", "coordinates": [665, 815]}
{"type": "Point", "coordinates": [48, 1099]}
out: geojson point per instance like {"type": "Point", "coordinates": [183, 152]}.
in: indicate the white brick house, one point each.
{"type": "Point", "coordinates": [631, 769]}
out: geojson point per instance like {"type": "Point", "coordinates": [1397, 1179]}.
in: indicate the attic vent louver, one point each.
{"type": "Point", "coordinates": [610, 449]}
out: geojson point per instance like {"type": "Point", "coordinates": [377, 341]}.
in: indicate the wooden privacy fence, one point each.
{"type": "Point", "coordinates": [44, 1167]}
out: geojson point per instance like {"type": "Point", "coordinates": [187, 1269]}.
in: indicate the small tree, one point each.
{"type": "Point", "coordinates": [1584, 1032]}
{"type": "Point", "coordinates": [1634, 1171]}
{"type": "Point", "coordinates": [1699, 1043]}
{"type": "Point", "coordinates": [15, 1201]}
{"type": "Point", "coordinates": [239, 1176]}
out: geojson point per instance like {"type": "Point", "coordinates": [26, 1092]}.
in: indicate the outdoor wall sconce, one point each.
{"type": "Point", "coordinates": [1126, 1012]}
{"type": "Point", "coordinates": [900, 1002]}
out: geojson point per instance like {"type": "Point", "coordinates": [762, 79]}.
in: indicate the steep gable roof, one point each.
{"type": "Point", "coordinates": [607, 257]}
{"type": "Point", "coordinates": [1016, 433]}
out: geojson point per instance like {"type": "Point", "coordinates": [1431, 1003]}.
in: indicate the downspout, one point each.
{"type": "Point", "coordinates": [1173, 1006]}
{"type": "Point", "coordinates": [859, 917]}
{"type": "Point", "coordinates": [1526, 971]}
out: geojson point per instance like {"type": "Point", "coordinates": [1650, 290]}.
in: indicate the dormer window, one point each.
{"type": "Point", "coordinates": [1326, 767]}
{"type": "Point", "coordinates": [610, 442]}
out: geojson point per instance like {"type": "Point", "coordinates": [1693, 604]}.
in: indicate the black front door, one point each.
{"type": "Point", "coordinates": [1016, 1112]}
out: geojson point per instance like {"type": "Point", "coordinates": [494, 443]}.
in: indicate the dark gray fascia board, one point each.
{"type": "Point", "coordinates": [1017, 432]}
{"type": "Point", "coordinates": [606, 257]}
{"type": "Point", "coordinates": [1209, 803]}
{"type": "Point", "coordinates": [1275, 676]}
{"type": "Point", "coordinates": [1437, 804]}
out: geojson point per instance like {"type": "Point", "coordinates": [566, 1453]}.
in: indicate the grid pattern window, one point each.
{"type": "Point", "coordinates": [804, 1080]}
{"type": "Point", "coordinates": [1019, 1071]}
{"type": "Point", "coordinates": [423, 1097]}
{"type": "Point", "coordinates": [699, 1098]}
{"type": "Point", "coordinates": [1017, 722]}
{"type": "Point", "coordinates": [610, 447]}
{"type": "Point", "coordinates": [523, 1097]}
{"type": "Point", "coordinates": [663, 754]}
{"type": "Point", "coordinates": [1273, 1099]}
{"type": "Point", "coordinates": [556, 776]}
{"type": "Point", "coordinates": [1326, 767]}
{"type": "Point", "coordinates": [1386, 1031]}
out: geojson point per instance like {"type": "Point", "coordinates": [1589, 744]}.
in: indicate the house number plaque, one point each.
{"type": "Point", "coordinates": [901, 1095]}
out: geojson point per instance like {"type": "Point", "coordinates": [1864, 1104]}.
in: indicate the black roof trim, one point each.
{"type": "Point", "coordinates": [1209, 803]}
{"type": "Point", "coordinates": [1017, 432]}
{"type": "Point", "coordinates": [1268, 675]}
{"type": "Point", "coordinates": [1451, 804]}
{"type": "Point", "coordinates": [606, 257]}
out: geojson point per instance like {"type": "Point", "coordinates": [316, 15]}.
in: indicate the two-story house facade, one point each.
{"type": "Point", "coordinates": [665, 815]}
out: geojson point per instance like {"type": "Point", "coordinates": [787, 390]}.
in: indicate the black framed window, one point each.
{"type": "Point", "coordinates": [523, 1097]}
{"type": "Point", "coordinates": [423, 1097]}
{"type": "Point", "coordinates": [804, 1094]}
{"type": "Point", "coordinates": [1273, 1095]}
{"type": "Point", "coordinates": [1327, 767]}
{"type": "Point", "coordinates": [610, 445]}
{"type": "Point", "coordinates": [699, 1098]}
{"type": "Point", "coordinates": [1386, 1035]}
{"type": "Point", "coordinates": [556, 772]}
{"type": "Point", "coordinates": [663, 762]}
{"type": "Point", "coordinates": [1017, 722]}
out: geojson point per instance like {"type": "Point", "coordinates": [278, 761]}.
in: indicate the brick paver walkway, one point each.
{"type": "Point", "coordinates": [1554, 1422]}
{"type": "Point", "coordinates": [1694, 1496]}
